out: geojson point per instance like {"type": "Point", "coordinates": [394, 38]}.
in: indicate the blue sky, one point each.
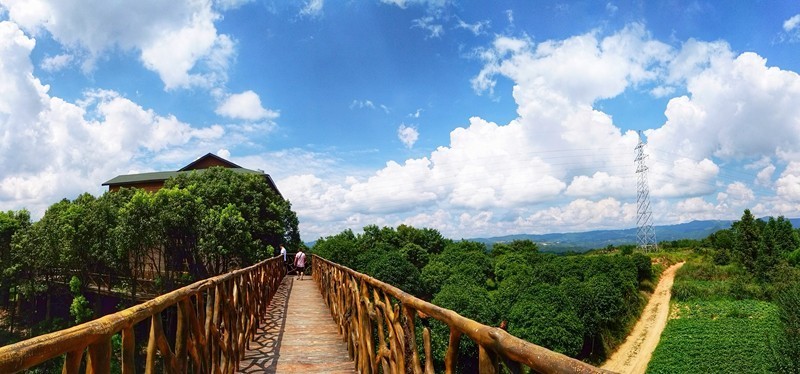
{"type": "Point", "coordinates": [499, 118]}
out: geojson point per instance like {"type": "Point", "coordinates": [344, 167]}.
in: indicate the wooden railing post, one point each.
{"type": "Point", "coordinates": [72, 363]}
{"type": "Point", "coordinates": [99, 357]}
{"type": "Point", "coordinates": [128, 353]}
{"type": "Point", "coordinates": [451, 356]}
{"type": "Point", "coordinates": [487, 361]}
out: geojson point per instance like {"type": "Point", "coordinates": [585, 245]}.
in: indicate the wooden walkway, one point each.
{"type": "Point", "coordinates": [299, 335]}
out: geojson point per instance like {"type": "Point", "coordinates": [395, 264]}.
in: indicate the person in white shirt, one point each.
{"type": "Point", "coordinates": [283, 253]}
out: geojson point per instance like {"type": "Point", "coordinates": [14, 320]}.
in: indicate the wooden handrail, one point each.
{"type": "Point", "coordinates": [216, 319]}
{"type": "Point", "coordinates": [362, 307]}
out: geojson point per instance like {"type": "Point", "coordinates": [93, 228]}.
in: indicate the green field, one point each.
{"type": "Point", "coordinates": [721, 336]}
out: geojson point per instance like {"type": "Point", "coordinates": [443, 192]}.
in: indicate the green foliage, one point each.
{"type": "Point", "coordinates": [393, 268]}
{"type": "Point", "coordinates": [747, 241]}
{"type": "Point", "coordinates": [463, 295]}
{"type": "Point", "coordinates": [465, 258]}
{"type": "Point", "coordinates": [568, 303]}
{"type": "Point", "coordinates": [644, 267]}
{"type": "Point", "coordinates": [701, 280]}
{"type": "Point", "coordinates": [545, 316]}
{"type": "Point", "coordinates": [718, 337]}
{"type": "Point", "coordinates": [416, 255]}
{"type": "Point", "coordinates": [794, 257]}
{"type": "Point", "coordinates": [340, 248]}
{"type": "Point", "coordinates": [79, 309]}
{"type": "Point", "coordinates": [787, 347]}
{"type": "Point", "coordinates": [75, 285]}
{"type": "Point", "coordinates": [225, 241]}
{"type": "Point", "coordinates": [201, 224]}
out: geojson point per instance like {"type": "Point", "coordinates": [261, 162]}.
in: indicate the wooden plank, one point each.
{"type": "Point", "coordinates": [298, 335]}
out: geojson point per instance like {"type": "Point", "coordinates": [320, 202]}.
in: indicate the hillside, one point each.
{"type": "Point", "coordinates": [583, 241]}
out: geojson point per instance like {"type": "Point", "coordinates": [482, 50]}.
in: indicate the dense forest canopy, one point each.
{"type": "Point", "coordinates": [577, 305]}
{"type": "Point", "coordinates": [200, 224]}
{"type": "Point", "coordinates": [582, 305]}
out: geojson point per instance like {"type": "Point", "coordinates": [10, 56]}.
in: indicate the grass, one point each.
{"type": "Point", "coordinates": [719, 323]}
{"type": "Point", "coordinates": [721, 336]}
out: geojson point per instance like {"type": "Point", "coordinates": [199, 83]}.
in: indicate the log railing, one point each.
{"type": "Point", "coordinates": [377, 321]}
{"type": "Point", "coordinates": [215, 320]}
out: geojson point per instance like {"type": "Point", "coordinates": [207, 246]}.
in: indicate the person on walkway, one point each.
{"type": "Point", "coordinates": [283, 253]}
{"type": "Point", "coordinates": [300, 263]}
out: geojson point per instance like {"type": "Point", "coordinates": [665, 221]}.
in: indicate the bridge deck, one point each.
{"type": "Point", "coordinates": [298, 335]}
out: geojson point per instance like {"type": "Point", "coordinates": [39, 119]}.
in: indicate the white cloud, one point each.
{"type": "Point", "coordinates": [406, 3]}
{"type": "Point", "coordinates": [692, 209]}
{"type": "Point", "coordinates": [408, 135]}
{"type": "Point", "coordinates": [522, 169]}
{"type": "Point", "coordinates": [476, 28]}
{"type": "Point", "coordinates": [230, 4]}
{"type": "Point", "coordinates": [56, 63]}
{"type": "Point", "coordinates": [611, 9]}
{"type": "Point", "coordinates": [246, 106]}
{"type": "Point", "coordinates": [580, 69]}
{"type": "Point", "coordinates": [428, 24]}
{"type": "Point", "coordinates": [600, 184]}
{"type": "Point", "coordinates": [738, 108]}
{"type": "Point", "coordinates": [361, 104]}
{"type": "Point", "coordinates": [578, 215]}
{"type": "Point", "coordinates": [368, 104]}
{"type": "Point", "coordinates": [791, 23]}
{"type": "Point", "coordinates": [788, 184]}
{"type": "Point", "coordinates": [525, 174]}
{"type": "Point", "coordinates": [563, 165]}
{"type": "Point", "coordinates": [736, 195]}
{"type": "Point", "coordinates": [44, 139]}
{"type": "Point", "coordinates": [313, 8]}
{"type": "Point", "coordinates": [175, 39]}
{"type": "Point", "coordinates": [764, 177]}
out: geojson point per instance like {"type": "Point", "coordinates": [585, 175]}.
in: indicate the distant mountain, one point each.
{"type": "Point", "coordinates": [584, 241]}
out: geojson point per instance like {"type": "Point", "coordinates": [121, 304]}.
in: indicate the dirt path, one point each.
{"type": "Point", "coordinates": [634, 355]}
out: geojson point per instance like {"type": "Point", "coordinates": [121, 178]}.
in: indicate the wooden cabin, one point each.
{"type": "Point", "coordinates": [154, 181]}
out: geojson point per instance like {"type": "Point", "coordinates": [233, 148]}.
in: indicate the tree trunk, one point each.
{"type": "Point", "coordinates": [14, 311]}
{"type": "Point", "coordinates": [48, 308]}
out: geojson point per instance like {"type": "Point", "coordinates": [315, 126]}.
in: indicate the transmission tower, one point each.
{"type": "Point", "coordinates": [645, 234]}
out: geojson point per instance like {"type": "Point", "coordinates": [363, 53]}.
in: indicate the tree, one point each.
{"type": "Point", "coordinates": [469, 299]}
{"type": "Point", "coordinates": [10, 224]}
{"type": "Point", "coordinates": [466, 258]}
{"type": "Point", "coordinates": [79, 309]}
{"type": "Point", "coordinates": [225, 242]}
{"type": "Point", "coordinates": [747, 242]}
{"type": "Point", "coordinates": [546, 317]}
{"type": "Point", "coordinates": [340, 248]}
{"type": "Point", "coordinates": [137, 238]}
{"type": "Point", "coordinates": [271, 220]}
{"type": "Point", "coordinates": [723, 242]}
{"type": "Point", "coordinates": [416, 255]}
{"type": "Point", "coordinates": [391, 267]}
{"type": "Point", "coordinates": [179, 223]}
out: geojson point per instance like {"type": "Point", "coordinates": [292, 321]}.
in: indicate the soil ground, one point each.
{"type": "Point", "coordinates": [635, 353]}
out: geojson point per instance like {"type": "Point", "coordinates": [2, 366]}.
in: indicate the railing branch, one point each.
{"type": "Point", "coordinates": [345, 289]}
{"type": "Point", "coordinates": [211, 330]}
